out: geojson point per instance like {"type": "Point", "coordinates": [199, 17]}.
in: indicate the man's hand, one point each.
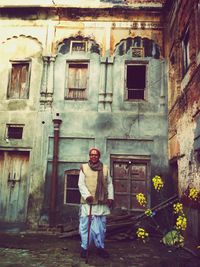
{"type": "Point", "coordinates": [110, 203]}
{"type": "Point", "coordinates": [89, 200]}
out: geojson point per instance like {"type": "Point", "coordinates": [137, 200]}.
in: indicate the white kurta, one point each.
{"type": "Point", "coordinates": [96, 209]}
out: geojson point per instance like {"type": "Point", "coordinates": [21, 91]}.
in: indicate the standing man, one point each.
{"type": "Point", "coordinates": [96, 189]}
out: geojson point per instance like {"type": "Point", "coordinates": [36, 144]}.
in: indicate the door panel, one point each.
{"type": "Point", "coordinates": [121, 201]}
{"type": "Point", "coordinates": [13, 185]}
{"type": "Point", "coordinates": [129, 178]}
{"type": "Point", "coordinates": [121, 170]}
{"type": "Point", "coordinates": [135, 204]}
{"type": "Point", "coordinates": [138, 171]}
{"type": "Point", "coordinates": [138, 186]}
{"type": "Point", "coordinates": [122, 186]}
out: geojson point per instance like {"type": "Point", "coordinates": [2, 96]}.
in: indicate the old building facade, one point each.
{"type": "Point", "coordinates": [183, 52]}
{"type": "Point", "coordinates": [78, 74]}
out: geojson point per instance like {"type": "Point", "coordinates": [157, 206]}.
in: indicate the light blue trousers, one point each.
{"type": "Point", "coordinates": [97, 231]}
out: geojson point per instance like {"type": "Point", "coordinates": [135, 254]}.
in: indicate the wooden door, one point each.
{"type": "Point", "coordinates": [13, 185]}
{"type": "Point", "coordinates": [130, 177]}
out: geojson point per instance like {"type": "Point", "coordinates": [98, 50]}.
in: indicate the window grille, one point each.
{"type": "Point", "coordinates": [135, 82]}
{"type": "Point", "coordinates": [137, 52]}
{"type": "Point", "coordinates": [78, 46]}
{"type": "Point", "coordinates": [14, 131]}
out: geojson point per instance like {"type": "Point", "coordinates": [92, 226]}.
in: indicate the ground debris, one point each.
{"type": "Point", "coordinates": [122, 226]}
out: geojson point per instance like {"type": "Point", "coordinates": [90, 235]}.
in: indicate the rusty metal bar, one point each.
{"type": "Point", "coordinates": [54, 176]}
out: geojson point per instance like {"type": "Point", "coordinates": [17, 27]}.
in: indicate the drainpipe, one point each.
{"type": "Point", "coordinates": [54, 177]}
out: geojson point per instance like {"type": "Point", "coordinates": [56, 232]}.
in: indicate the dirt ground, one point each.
{"type": "Point", "coordinates": [42, 250]}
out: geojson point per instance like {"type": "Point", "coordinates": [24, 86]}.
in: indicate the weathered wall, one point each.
{"type": "Point", "coordinates": [184, 99]}
{"type": "Point", "coordinates": [185, 103]}
{"type": "Point", "coordinates": [104, 119]}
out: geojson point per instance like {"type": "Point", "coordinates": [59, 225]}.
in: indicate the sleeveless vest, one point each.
{"type": "Point", "coordinates": [91, 181]}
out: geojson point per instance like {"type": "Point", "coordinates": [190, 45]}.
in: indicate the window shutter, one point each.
{"type": "Point", "coordinates": [19, 81]}
{"type": "Point", "coordinates": [77, 80]}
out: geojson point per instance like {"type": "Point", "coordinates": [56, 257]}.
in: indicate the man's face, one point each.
{"type": "Point", "coordinates": [94, 156]}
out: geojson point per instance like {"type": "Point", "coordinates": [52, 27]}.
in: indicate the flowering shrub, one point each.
{"type": "Point", "coordinates": [141, 199]}
{"type": "Point", "coordinates": [178, 208]}
{"type": "Point", "coordinates": [149, 213]}
{"type": "Point", "coordinates": [141, 233]}
{"type": "Point", "coordinates": [191, 198]}
{"type": "Point", "coordinates": [181, 222]}
{"type": "Point", "coordinates": [157, 183]}
{"type": "Point", "coordinates": [173, 237]}
{"type": "Point", "coordinates": [193, 194]}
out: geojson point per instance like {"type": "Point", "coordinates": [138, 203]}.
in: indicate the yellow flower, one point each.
{"type": "Point", "coordinates": [181, 222]}
{"type": "Point", "coordinates": [157, 183]}
{"type": "Point", "coordinates": [178, 208]}
{"type": "Point", "coordinates": [193, 193]}
{"type": "Point", "coordinates": [141, 233]}
{"type": "Point", "coordinates": [141, 199]}
{"type": "Point", "coordinates": [149, 212]}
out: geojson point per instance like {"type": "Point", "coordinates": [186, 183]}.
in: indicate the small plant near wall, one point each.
{"type": "Point", "coordinates": [174, 234]}
{"type": "Point", "coordinates": [191, 198]}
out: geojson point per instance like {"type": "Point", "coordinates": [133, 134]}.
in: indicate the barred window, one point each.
{"type": "Point", "coordinates": [135, 82]}
{"type": "Point", "coordinates": [14, 131]}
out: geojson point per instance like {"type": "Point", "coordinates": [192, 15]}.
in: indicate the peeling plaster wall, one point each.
{"type": "Point", "coordinates": [17, 46]}
{"type": "Point", "coordinates": [184, 95]}
{"type": "Point", "coordinates": [185, 135]}
{"type": "Point", "coordinates": [117, 127]}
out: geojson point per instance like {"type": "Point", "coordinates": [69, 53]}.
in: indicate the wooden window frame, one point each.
{"type": "Point", "coordinates": [79, 94]}
{"type": "Point", "coordinates": [185, 51]}
{"type": "Point", "coordinates": [14, 126]}
{"type": "Point", "coordinates": [139, 51]}
{"type": "Point", "coordinates": [66, 188]}
{"type": "Point", "coordinates": [126, 89]}
{"type": "Point", "coordinates": [72, 50]}
{"type": "Point", "coordinates": [20, 94]}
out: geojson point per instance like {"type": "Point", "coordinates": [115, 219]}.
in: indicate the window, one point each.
{"type": "Point", "coordinates": [18, 87]}
{"type": "Point", "coordinates": [78, 46]}
{"type": "Point", "coordinates": [71, 193]}
{"type": "Point", "coordinates": [185, 48]}
{"type": "Point", "coordinates": [14, 131]}
{"type": "Point", "coordinates": [137, 51]}
{"type": "Point", "coordinates": [77, 79]}
{"type": "Point", "coordinates": [135, 81]}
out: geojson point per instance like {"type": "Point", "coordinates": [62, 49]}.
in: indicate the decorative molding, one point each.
{"type": "Point", "coordinates": [143, 25]}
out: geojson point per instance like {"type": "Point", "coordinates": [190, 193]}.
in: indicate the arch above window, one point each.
{"type": "Point", "coordinates": [138, 47]}
{"type": "Point", "coordinates": [78, 44]}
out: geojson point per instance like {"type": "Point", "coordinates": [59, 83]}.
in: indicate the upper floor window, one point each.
{"type": "Point", "coordinates": [185, 51]}
{"type": "Point", "coordinates": [135, 81]}
{"type": "Point", "coordinates": [71, 190]}
{"type": "Point", "coordinates": [78, 46]}
{"type": "Point", "coordinates": [19, 80]}
{"type": "Point", "coordinates": [137, 51]}
{"type": "Point", "coordinates": [77, 80]}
